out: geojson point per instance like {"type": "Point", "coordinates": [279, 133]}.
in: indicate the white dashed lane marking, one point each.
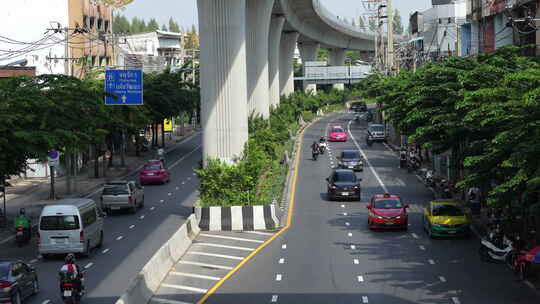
{"type": "Point", "coordinates": [284, 246]}
{"type": "Point", "coordinates": [105, 251]}
{"type": "Point", "coordinates": [345, 213]}
{"type": "Point", "coordinates": [132, 226]}
{"type": "Point", "coordinates": [274, 298]}
{"type": "Point", "coordinates": [183, 183]}
{"type": "Point", "coordinates": [360, 279]}
{"type": "Point", "coordinates": [141, 217]}
{"type": "Point", "coordinates": [225, 246]}
{"type": "Point", "coordinates": [422, 247]}
{"type": "Point", "coordinates": [161, 201]}
{"type": "Point", "coordinates": [152, 209]}
{"type": "Point", "coordinates": [278, 277]}
{"type": "Point", "coordinates": [356, 261]}
{"type": "Point", "coordinates": [169, 194]}
{"type": "Point", "coordinates": [347, 224]}
{"type": "Point", "coordinates": [282, 260]}
{"type": "Point", "coordinates": [177, 188]}
{"type": "Point", "coordinates": [349, 234]}
{"type": "Point", "coordinates": [182, 287]}
{"type": "Point", "coordinates": [456, 300]}
{"type": "Point", "coordinates": [365, 299]}
{"type": "Point", "coordinates": [46, 302]}
{"type": "Point", "coordinates": [353, 247]}
{"type": "Point", "coordinates": [259, 233]}
{"type": "Point", "coordinates": [432, 262]}
{"type": "Point", "coordinates": [342, 206]}
{"type": "Point", "coordinates": [442, 279]}
{"type": "Point", "coordinates": [33, 261]}
{"type": "Point", "coordinates": [414, 235]}
{"type": "Point", "coordinates": [119, 238]}
{"type": "Point", "coordinates": [88, 265]}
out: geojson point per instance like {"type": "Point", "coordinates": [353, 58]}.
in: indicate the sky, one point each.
{"type": "Point", "coordinates": [185, 11]}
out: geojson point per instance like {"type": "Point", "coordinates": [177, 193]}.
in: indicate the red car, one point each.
{"type": "Point", "coordinates": [337, 133]}
{"type": "Point", "coordinates": [387, 212]}
{"type": "Point", "coordinates": [154, 172]}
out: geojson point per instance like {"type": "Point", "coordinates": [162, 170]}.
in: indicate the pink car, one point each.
{"type": "Point", "coordinates": [337, 133]}
{"type": "Point", "coordinates": [154, 172]}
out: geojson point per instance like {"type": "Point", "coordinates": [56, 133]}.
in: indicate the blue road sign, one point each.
{"type": "Point", "coordinates": [126, 85]}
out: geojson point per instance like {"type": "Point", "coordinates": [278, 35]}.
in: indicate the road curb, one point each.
{"type": "Point", "coordinates": [143, 287]}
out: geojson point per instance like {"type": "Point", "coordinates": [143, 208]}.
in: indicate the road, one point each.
{"type": "Point", "coordinates": [328, 255]}
{"type": "Point", "coordinates": [130, 239]}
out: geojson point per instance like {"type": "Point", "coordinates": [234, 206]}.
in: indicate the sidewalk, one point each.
{"type": "Point", "coordinates": [33, 194]}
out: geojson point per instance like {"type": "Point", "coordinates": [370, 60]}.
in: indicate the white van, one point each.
{"type": "Point", "coordinates": [70, 226]}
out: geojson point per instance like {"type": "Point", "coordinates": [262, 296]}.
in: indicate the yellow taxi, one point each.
{"type": "Point", "coordinates": [446, 218]}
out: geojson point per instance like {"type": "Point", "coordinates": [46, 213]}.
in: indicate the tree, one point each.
{"type": "Point", "coordinates": [121, 24]}
{"type": "Point", "coordinates": [152, 25]}
{"type": "Point", "coordinates": [164, 28]}
{"type": "Point", "coordinates": [192, 41]}
{"type": "Point", "coordinates": [173, 26]}
{"type": "Point", "coordinates": [398, 25]}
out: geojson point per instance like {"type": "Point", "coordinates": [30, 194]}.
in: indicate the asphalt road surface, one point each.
{"type": "Point", "coordinates": [130, 239]}
{"type": "Point", "coordinates": [329, 255]}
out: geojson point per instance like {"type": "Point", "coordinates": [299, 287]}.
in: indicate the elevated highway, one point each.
{"type": "Point", "coordinates": [247, 49]}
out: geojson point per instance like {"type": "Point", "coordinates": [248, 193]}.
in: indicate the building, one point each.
{"type": "Point", "coordinates": [35, 30]}
{"type": "Point", "coordinates": [151, 51]}
{"type": "Point", "coordinates": [10, 71]}
{"type": "Point", "coordinates": [434, 32]}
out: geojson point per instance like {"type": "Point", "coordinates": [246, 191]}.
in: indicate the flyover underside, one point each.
{"type": "Point", "coordinates": [316, 24]}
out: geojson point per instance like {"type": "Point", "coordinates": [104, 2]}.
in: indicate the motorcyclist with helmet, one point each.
{"type": "Point", "coordinates": [72, 273]}
{"type": "Point", "coordinates": [24, 224]}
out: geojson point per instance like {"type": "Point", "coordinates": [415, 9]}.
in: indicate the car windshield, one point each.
{"type": "Point", "coordinates": [447, 210]}
{"type": "Point", "coordinates": [377, 128]}
{"type": "Point", "coordinates": [152, 167]}
{"type": "Point", "coordinates": [59, 222]}
{"type": "Point", "coordinates": [115, 189]}
{"type": "Point", "coordinates": [4, 270]}
{"type": "Point", "coordinates": [344, 177]}
{"type": "Point", "coordinates": [337, 130]}
{"type": "Point", "coordinates": [388, 204]}
{"type": "Point", "coordinates": [350, 155]}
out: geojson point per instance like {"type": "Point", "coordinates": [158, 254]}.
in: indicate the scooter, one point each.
{"type": "Point", "coordinates": [22, 236]}
{"type": "Point", "coordinates": [490, 252]}
{"type": "Point", "coordinates": [315, 154]}
{"type": "Point", "coordinates": [322, 147]}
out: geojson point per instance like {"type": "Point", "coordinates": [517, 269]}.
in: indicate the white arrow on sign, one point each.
{"type": "Point", "coordinates": [124, 98]}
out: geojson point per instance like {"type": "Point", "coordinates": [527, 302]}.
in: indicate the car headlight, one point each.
{"type": "Point", "coordinates": [333, 187]}
{"type": "Point", "coordinates": [356, 187]}
{"type": "Point", "coordinates": [375, 215]}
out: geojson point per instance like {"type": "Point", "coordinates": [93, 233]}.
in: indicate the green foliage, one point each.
{"type": "Point", "coordinates": [122, 25]}
{"type": "Point", "coordinates": [66, 113]}
{"type": "Point", "coordinates": [259, 176]}
{"type": "Point", "coordinates": [485, 110]}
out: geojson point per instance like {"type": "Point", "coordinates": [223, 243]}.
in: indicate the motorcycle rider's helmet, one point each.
{"type": "Point", "coordinates": [22, 211]}
{"type": "Point", "coordinates": [70, 258]}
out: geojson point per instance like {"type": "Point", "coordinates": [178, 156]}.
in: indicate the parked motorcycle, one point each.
{"type": "Point", "coordinates": [496, 251]}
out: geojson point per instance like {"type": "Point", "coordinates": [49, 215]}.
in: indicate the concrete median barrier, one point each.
{"type": "Point", "coordinates": [147, 282]}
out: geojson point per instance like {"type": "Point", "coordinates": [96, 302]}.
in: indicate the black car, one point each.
{"type": "Point", "coordinates": [351, 159]}
{"type": "Point", "coordinates": [343, 184]}
{"type": "Point", "coordinates": [359, 106]}
{"type": "Point", "coordinates": [18, 281]}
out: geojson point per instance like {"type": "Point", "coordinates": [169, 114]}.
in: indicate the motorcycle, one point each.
{"type": "Point", "coordinates": [70, 293]}
{"type": "Point", "coordinates": [322, 147]}
{"type": "Point", "coordinates": [489, 251]}
{"type": "Point", "coordinates": [521, 261]}
{"type": "Point", "coordinates": [22, 236]}
{"type": "Point", "coordinates": [315, 154]}
{"type": "Point", "coordinates": [430, 181]}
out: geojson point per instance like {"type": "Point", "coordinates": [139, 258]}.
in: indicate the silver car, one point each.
{"type": "Point", "coordinates": [376, 132]}
{"type": "Point", "coordinates": [119, 195]}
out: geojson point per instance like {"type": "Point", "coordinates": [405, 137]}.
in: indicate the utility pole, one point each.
{"type": "Point", "coordinates": [390, 30]}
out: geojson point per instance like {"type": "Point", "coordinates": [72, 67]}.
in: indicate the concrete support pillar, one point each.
{"type": "Point", "coordinates": [286, 56]}
{"type": "Point", "coordinates": [336, 57]}
{"type": "Point", "coordinates": [258, 16]}
{"type": "Point", "coordinates": [309, 51]}
{"type": "Point", "coordinates": [274, 41]}
{"type": "Point", "coordinates": [223, 78]}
